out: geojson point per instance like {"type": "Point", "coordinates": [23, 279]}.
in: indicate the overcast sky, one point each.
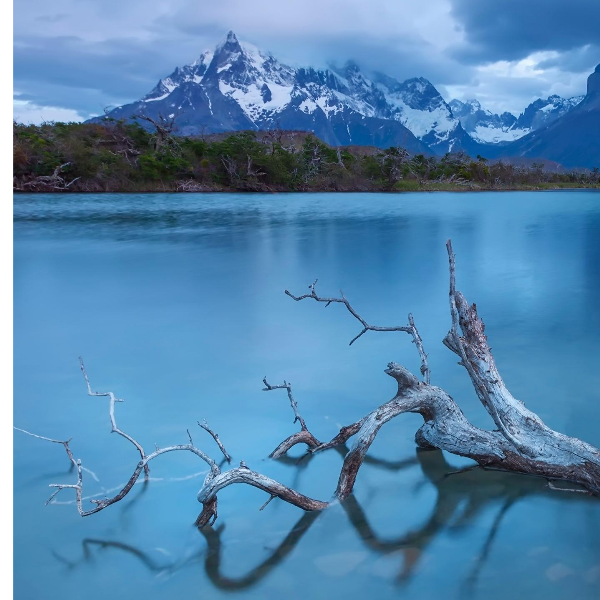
{"type": "Point", "coordinates": [74, 57]}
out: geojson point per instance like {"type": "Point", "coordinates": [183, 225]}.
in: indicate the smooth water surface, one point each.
{"type": "Point", "coordinates": [176, 303]}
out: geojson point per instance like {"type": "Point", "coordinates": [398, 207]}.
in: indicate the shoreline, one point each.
{"type": "Point", "coordinates": [117, 157]}
{"type": "Point", "coordinates": [424, 189]}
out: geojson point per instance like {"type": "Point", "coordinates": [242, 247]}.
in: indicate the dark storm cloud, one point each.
{"type": "Point", "coordinates": [582, 59]}
{"type": "Point", "coordinates": [119, 65]}
{"type": "Point", "coordinates": [401, 59]}
{"type": "Point", "coordinates": [80, 55]}
{"type": "Point", "coordinates": [84, 75]}
{"type": "Point", "coordinates": [513, 29]}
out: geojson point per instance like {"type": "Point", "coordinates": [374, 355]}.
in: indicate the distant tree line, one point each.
{"type": "Point", "coordinates": [126, 156]}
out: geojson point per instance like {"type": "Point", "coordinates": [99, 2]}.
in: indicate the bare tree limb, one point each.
{"type": "Point", "coordinates": [165, 127]}
{"type": "Point", "coordinates": [425, 371]}
{"type": "Point", "coordinates": [342, 300]}
{"type": "Point", "coordinates": [41, 437]}
{"type": "Point", "coordinates": [44, 182]}
{"type": "Point", "coordinates": [341, 438]}
{"type": "Point", "coordinates": [215, 436]}
{"type": "Point", "coordinates": [66, 446]}
{"type": "Point", "coordinates": [304, 436]}
{"type": "Point", "coordinates": [111, 412]}
{"type": "Point", "coordinates": [300, 437]}
{"type": "Point", "coordinates": [410, 328]}
{"type": "Point", "coordinates": [102, 504]}
{"type": "Point", "coordinates": [267, 502]}
{"type": "Point", "coordinates": [287, 386]}
{"type": "Point", "coordinates": [274, 488]}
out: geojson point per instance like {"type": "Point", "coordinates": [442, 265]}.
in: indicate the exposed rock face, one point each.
{"type": "Point", "coordinates": [489, 128]}
{"type": "Point", "coordinates": [238, 87]}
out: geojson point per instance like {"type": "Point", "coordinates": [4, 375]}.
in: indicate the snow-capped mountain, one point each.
{"type": "Point", "coordinates": [543, 111]}
{"type": "Point", "coordinates": [489, 128]}
{"type": "Point", "coordinates": [237, 86]}
{"type": "Point", "coordinates": [483, 125]}
{"type": "Point", "coordinates": [572, 139]}
{"type": "Point", "coordinates": [420, 107]}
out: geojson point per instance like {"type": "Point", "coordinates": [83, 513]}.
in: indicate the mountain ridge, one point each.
{"type": "Point", "coordinates": [573, 139]}
{"type": "Point", "coordinates": [236, 86]}
{"type": "Point", "coordinates": [486, 127]}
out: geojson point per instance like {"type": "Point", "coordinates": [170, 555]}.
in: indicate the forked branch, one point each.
{"type": "Point", "coordinates": [304, 436]}
{"type": "Point", "coordinates": [111, 412]}
{"type": "Point", "coordinates": [410, 328]}
{"type": "Point", "coordinates": [65, 444]}
{"type": "Point", "coordinates": [106, 502]}
{"type": "Point", "coordinates": [215, 437]}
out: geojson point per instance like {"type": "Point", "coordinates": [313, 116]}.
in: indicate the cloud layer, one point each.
{"type": "Point", "coordinates": [74, 57]}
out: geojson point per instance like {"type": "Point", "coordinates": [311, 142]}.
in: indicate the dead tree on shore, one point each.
{"type": "Point", "coordinates": [165, 128]}
{"type": "Point", "coordinates": [43, 183]}
{"type": "Point", "coordinates": [522, 443]}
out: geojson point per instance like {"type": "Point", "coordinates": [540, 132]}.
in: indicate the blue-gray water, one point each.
{"type": "Point", "coordinates": [176, 303]}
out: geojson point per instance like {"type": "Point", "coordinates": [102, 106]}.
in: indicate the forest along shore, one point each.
{"type": "Point", "coordinates": [117, 156]}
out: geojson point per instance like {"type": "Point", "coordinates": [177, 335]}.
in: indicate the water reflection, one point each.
{"type": "Point", "coordinates": [178, 303]}
{"type": "Point", "coordinates": [462, 496]}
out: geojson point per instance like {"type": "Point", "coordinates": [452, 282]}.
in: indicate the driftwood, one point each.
{"type": "Point", "coordinates": [522, 443]}
{"type": "Point", "coordinates": [43, 183]}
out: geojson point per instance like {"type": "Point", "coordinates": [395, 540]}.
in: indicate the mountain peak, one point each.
{"type": "Point", "coordinates": [237, 86]}
{"type": "Point", "coordinates": [416, 81]}
{"type": "Point", "coordinates": [474, 105]}
{"type": "Point", "coordinates": [229, 45]}
{"type": "Point", "coordinates": [351, 66]}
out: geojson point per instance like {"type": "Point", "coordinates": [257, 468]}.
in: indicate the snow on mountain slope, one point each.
{"type": "Point", "coordinates": [485, 127]}
{"type": "Point", "coordinates": [488, 134]}
{"type": "Point", "coordinates": [237, 86]}
{"type": "Point", "coordinates": [193, 72]}
{"type": "Point", "coordinates": [570, 139]}
{"type": "Point", "coordinates": [543, 111]}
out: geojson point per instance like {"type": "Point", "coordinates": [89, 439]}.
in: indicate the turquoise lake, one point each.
{"type": "Point", "coordinates": [177, 305]}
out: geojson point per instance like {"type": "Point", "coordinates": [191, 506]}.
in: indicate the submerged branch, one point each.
{"type": "Point", "coordinates": [522, 443]}
{"type": "Point", "coordinates": [106, 502]}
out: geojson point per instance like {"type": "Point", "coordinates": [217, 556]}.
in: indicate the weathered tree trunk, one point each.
{"type": "Point", "coordinates": [522, 443]}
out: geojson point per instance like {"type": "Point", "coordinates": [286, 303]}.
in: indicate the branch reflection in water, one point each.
{"type": "Point", "coordinates": [462, 496]}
